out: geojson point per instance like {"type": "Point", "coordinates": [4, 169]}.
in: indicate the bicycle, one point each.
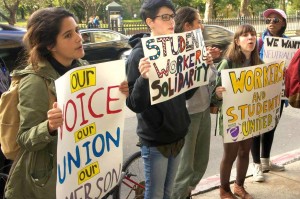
{"type": "Point", "coordinates": [132, 185]}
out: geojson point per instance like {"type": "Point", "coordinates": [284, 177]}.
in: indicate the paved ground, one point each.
{"type": "Point", "coordinates": [278, 185]}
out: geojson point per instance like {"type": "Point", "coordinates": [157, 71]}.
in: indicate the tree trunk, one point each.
{"type": "Point", "coordinates": [282, 5]}
{"type": "Point", "coordinates": [22, 13]}
{"type": "Point", "coordinates": [208, 10]}
{"type": "Point", "coordinates": [244, 8]}
{"type": "Point", "coordinates": [12, 17]}
{"type": "Point", "coordinates": [12, 10]}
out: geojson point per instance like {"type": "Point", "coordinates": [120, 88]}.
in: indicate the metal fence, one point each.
{"type": "Point", "coordinates": [131, 28]}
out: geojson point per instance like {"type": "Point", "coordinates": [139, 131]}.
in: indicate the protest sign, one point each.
{"type": "Point", "coordinates": [177, 64]}
{"type": "Point", "coordinates": [89, 151]}
{"type": "Point", "coordinates": [251, 101]}
{"type": "Point", "coordinates": [278, 48]}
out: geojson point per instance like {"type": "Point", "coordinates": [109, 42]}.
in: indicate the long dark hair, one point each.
{"type": "Point", "coordinates": [42, 29]}
{"type": "Point", "coordinates": [234, 52]}
{"type": "Point", "coordinates": [184, 15]}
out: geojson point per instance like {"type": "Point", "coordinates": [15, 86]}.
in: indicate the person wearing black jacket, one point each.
{"type": "Point", "coordinates": [161, 127]}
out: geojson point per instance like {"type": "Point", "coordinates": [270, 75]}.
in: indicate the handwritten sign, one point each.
{"type": "Point", "coordinates": [177, 64]}
{"type": "Point", "coordinates": [89, 151]}
{"type": "Point", "coordinates": [278, 48]}
{"type": "Point", "coordinates": [251, 102]}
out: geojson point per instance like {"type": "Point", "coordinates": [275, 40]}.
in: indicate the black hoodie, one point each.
{"type": "Point", "coordinates": [160, 124]}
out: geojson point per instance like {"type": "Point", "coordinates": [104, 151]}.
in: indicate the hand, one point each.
{"type": "Point", "coordinates": [144, 67]}
{"type": "Point", "coordinates": [214, 51]}
{"type": "Point", "coordinates": [55, 118]}
{"type": "Point", "coordinates": [124, 88]}
{"type": "Point", "coordinates": [219, 92]}
{"type": "Point", "coordinates": [209, 59]}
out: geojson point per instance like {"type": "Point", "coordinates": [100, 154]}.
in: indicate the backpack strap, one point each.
{"type": "Point", "coordinates": [229, 62]}
{"type": "Point", "coordinates": [260, 44]}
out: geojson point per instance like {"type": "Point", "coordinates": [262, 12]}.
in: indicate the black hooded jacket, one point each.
{"type": "Point", "coordinates": [160, 124]}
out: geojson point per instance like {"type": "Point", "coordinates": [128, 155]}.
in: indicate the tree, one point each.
{"type": "Point", "coordinates": [90, 7]}
{"type": "Point", "coordinates": [11, 6]}
{"type": "Point", "coordinates": [191, 3]}
{"type": "Point", "coordinates": [208, 14]}
{"type": "Point", "coordinates": [131, 7]}
{"type": "Point", "coordinates": [296, 4]}
{"type": "Point", "coordinates": [282, 5]}
{"type": "Point", "coordinates": [244, 8]}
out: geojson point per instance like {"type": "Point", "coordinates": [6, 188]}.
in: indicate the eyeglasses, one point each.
{"type": "Point", "coordinates": [166, 17]}
{"type": "Point", "coordinates": [273, 20]}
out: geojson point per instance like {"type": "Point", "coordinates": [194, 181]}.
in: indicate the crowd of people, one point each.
{"type": "Point", "coordinates": [178, 145]}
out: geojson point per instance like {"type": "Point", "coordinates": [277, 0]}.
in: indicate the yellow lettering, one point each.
{"type": "Point", "coordinates": [88, 172]}
{"type": "Point", "coordinates": [249, 80]}
{"type": "Point", "coordinates": [83, 78]}
{"type": "Point", "coordinates": [230, 114]}
{"type": "Point", "coordinates": [85, 132]}
{"type": "Point", "coordinates": [237, 84]}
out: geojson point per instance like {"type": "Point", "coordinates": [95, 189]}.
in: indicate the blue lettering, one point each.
{"type": "Point", "coordinates": [97, 146]}
{"type": "Point", "coordinates": [110, 138]}
{"type": "Point", "coordinates": [76, 162]}
{"type": "Point", "coordinates": [86, 145]}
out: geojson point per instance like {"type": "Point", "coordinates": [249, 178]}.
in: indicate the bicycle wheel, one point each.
{"type": "Point", "coordinates": [133, 182]}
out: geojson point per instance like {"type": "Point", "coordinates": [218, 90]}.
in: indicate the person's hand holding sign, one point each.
{"type": "Point", "coordinates": [123, 87]}
{"type": "Point", "coordinates": [144, 67]}
{"type": "Point", "coordinates": [219, 91]}
{"type": "Point", "coordinates": [214, 51]}
{"type": "Point", "coordinates": [55, 119]}
{"type": "Point", "coordinates": [209, 59]}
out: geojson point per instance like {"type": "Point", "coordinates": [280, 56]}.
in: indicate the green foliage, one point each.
{"type": "Point", "coordinates": [293, 6]}
{"type": "Point", "coordinates": [192, 3]}
{"type": "Point", "coordinates": [130, 7]}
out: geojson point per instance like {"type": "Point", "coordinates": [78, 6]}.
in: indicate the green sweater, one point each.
{"type": "Point", "coordinates": [222, 65]}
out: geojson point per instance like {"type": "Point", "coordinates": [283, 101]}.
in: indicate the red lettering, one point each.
{"type": "Point", "coordinates": [75, 115]}
{"type": "Point", "coordinates": [84, 121]}
{"type": "Point", "coordinates": [90, 104]}
{"type": "Point", "coordinates": [71, 108]}
{"type": "Point", "coordinates": [109, 99]}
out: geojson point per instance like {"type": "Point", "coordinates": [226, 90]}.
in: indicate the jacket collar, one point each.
{"type": "Point", "coordinates": [45, 70]}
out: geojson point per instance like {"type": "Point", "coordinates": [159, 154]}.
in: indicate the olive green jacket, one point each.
{"type": "Point", "coordinates": [222, 65]}
{"type": "Point", "coordinates": [33, 174]}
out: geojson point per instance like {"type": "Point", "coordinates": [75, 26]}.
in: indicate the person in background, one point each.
{"type": "Point", "coordinates": [86, 38]}
{"type": "Point", "coordinates": [161, 127]}
{"type": "Point", "coordinates": [91, 22]}
{"type": "Point", "coordinates": [241, 53]}
{"type": "Point", "coordinates": [96, 22]}
{"type": "Point", "coordinates": [262, 144]}
{"type": "Point", "coordinates": [195, 152]}
{"type": "Point", "coordinates": [54, 46]}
